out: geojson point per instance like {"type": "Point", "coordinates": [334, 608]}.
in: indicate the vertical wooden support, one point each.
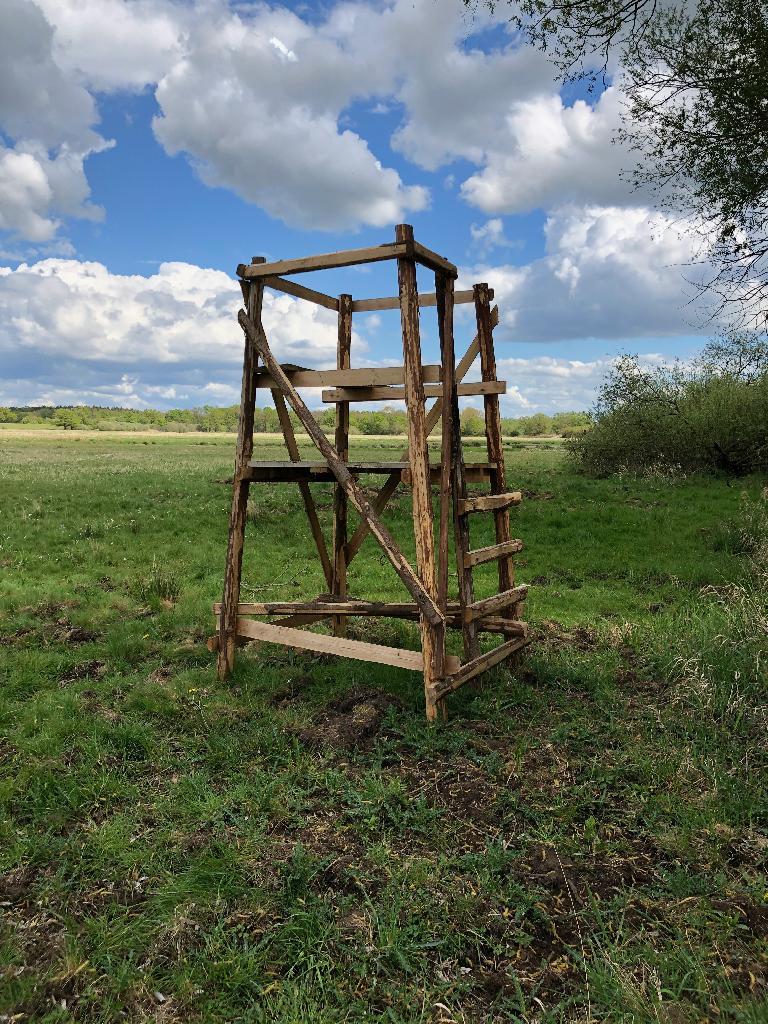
{"type": "Point", "coordinates": [461, 527]}
{"type": "Point", "coordinates": [252, 293]}
{"type": "Point", "coordinates": [343, 362]}
{"type": "Point", "coordinates": [444, 297]}
{"type": "Point", "coordinates": [432, 637]}
{"type": "Point", "coordinates": [309, 502]}
{"type": "Point", "coordinates": [444, 301]}
{"type": "Point", "coordinates": [493, 435]}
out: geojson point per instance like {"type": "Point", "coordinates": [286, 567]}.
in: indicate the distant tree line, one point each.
{"type": "Point", "coordinates": [214, 419]}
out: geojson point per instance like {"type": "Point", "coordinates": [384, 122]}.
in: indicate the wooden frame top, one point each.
{"type": "Point", "coordinates": [409, 249]}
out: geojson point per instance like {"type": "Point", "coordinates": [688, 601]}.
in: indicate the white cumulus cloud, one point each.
{"type": "Point", "coordinates": [257, 102]}
{"type": "Point", "coordinates": [49, 118]}
{"type": "Point", "coordinates": [547, 154]}
{"type": "Point", "coordinates": [115, 44]}
{"type": "Point", "coordinates": [74, 327]}
{"type": "Point", "coordinates": [608, 272]}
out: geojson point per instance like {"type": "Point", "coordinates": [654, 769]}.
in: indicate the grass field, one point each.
{"type": "Point", "coordinates": [584, 839]}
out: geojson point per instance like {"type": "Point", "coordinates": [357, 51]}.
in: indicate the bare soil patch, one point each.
{"type": "Point", "coordinates": [349, 722]}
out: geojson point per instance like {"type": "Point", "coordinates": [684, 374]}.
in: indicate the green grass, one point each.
{"type": "Point", "coordinates": [584, 839]}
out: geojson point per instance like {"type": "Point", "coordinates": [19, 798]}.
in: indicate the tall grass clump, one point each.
{"type": "Point", "coordinates": [708, 415]}
{"type": "Point", "coordinates": [715, 651]}
{"type": "Point", "coordinates": [158, 583]}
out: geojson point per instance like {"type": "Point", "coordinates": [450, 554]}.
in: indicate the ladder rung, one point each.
{"type": "Point", "coordinates": [489, 502]}
{"type": "Point", "coordinates": [490, 605]}
{"type": "Point", "coordinates": [509, 547]}
{"type": "Point", "coordinates": [473, 668]}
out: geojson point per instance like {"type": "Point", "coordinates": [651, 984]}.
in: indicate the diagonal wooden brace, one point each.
{"type": "Point", "coordinates": [339, 469]}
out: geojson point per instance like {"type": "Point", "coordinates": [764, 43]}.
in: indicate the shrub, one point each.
{"type": "Point", "coordinates": [709, 415]}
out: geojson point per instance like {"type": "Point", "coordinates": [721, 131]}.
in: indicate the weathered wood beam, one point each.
{"type": "Point", "coordinates": [433, 260]}
{"type": "Point", "coordinates": [358, 650]}
{"type": "Point", "coordinates": [409, 249]}
{"type": "Point", "coordinates": [361, 377]}
{"type": "Point", "coordinates": [461, 524]}
{"type": "Point", "coordinates": [302, 292]}
{"type": "Point", "coordinates": [425, 299]}
{"type": "Point", "coordinates": [495, 603]}
{"type": "Point", "coordinates": [397, 394]}
{"type": "Point", "coordinates": [481, 555]}
{"type": "Point", "coordinates": [506, 568]}
{"type": "Point", "coordinates": [320, 472]}
{"type": "Point", "coordinates": [343, 361]}
{"type": "Point", "coordinates": [327, 604]}
{"type": "Point", "coordinates": [252, 294]}
{"type": "Point", "coordinates": [489, 502]}
{"type": "Point", "coordinates": [324, 261]}
{"type": "Point", "coordinates": [432, 633]}
{"type": "Point", "coordinates": [306, 494]}
{"type": "Point", "coordinates": [300, 613]}
{"type": "Point", "coordinates": [445, 294]}
{"type": "Point", "coordinates": [480, 664]}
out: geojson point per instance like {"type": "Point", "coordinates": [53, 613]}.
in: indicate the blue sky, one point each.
{"type": "Point", "coordinates": [148, 146]}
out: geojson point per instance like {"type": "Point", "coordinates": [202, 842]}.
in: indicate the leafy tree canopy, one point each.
{"type": "Point", "coordinates": [695, 78]}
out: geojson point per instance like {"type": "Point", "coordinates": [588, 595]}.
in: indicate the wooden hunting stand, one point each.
{"type": "Point", "coordinates": [413, 382]}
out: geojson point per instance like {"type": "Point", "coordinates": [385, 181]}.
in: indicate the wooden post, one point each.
{"type": "Point", "coordinates": [444, 293]}
{"type": "Point", "coordinates": [343, 362]}
{"type": "Point", "coordinates": [309, 502]}
{"type": "Point", "coordinates": [252, 293]}
{"type": "Point", "coordinates": [493, 436]}
{"type": "Point", "coordinates": [432, 637]}
{"type": "Point", "coordinates": [461, 527]}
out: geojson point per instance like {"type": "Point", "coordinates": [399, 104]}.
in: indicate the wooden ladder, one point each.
{"type": "Point", "coordinates": [498, 502]}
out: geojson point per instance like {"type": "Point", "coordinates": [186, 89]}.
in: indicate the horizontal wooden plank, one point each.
{"type": "Point", "coordinates": [301, 292]}
{"type": "Point", "coordinates": [358, 650]}
{"type": "Point", "coordinates": [481, 664]}
{"type": "Point", "coordinates": [306, 613]}
{"type": "Point", "coordinates": [425, 299]}
{"type": "Point", "coordinates": [354, 466]}
{"type": "Point", "coordinates": [328, 605]}
{"type": "Point", "coordinates": [495, 603]}
{"type": "Point", "coordinates": [489, 502]}
{"type": "Point", "coordinates": [362, 377]}
{"type": "Point", "coordinates": [496, 624]}
{"type": "Point", "coordinates": [397, 394]}
{"type": "Point", "coordinates": [509, 547]}
{"type": "Point", "coordinates": [324, 261]}
{"type": "Point", "coordinates": [433, 260]}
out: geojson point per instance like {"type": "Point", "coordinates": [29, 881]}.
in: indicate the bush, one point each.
{"type": "Point", "coordinates": [709, 415]}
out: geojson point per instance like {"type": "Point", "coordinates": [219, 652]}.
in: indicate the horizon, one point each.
{"type": "Point", "coordinates": [129, 204]}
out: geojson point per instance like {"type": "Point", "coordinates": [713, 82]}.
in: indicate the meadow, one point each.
{"type": "Point", "coordinates": [583, 840]}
